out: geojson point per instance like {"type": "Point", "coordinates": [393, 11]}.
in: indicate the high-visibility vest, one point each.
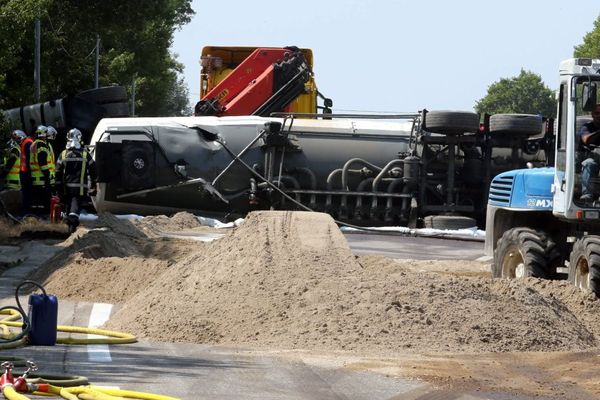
{"type": "Point", "coordinates": [41, 146]}
{"type": "Point", "coordinates": [82, 183]}
{"type": "Point", "coordinates": [13, 181]}
{"type": "Point", "coordinates": [37, 176]}
{"type": "Point", "coordinates": [23, 161]}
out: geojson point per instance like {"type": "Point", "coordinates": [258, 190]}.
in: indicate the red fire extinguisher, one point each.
{"type": "Point", "coordinates": [55, 209]}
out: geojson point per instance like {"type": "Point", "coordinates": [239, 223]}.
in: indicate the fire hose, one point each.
{"type": "Point", "coordinates": [8, 339]}
{"type": "Point", "coordinates": [12, 340]}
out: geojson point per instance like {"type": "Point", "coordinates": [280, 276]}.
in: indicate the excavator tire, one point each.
{"type": "Point", "coordinates": [524, 252]}
{"type": "Point", "coordinates": [521, 124]}
{"type": "Point", "coordinates": [584, 265]}
{"type": "Point", "coordinates": [451, 122]}
{"type": "Point", "coordinates": [449, 222]}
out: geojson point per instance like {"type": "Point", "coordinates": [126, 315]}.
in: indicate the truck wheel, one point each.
{"type": "Point", "coordinates": [524, 252]}
{"type": "Point", "coordinates": [523, 124]}
{"type": "Point", "coordinates": [112, 110]}
{"type": "Point", "coordinates": [451, 122]}
{"type": "Point", "coordinates": [450, 222]}
{"type": "Point", "coordinates": [103, 95]}
{"type": "Point", "coordinates": [584, 265]}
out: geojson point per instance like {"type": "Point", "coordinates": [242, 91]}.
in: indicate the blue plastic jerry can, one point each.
{"type": "Point", "coordinates": [43, 317]}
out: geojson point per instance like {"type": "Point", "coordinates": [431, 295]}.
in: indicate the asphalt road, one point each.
{"type": "Point", "coordinates": [419, 248]}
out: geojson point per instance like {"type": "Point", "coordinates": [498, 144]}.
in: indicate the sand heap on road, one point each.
{"type": "Point", "coordinates": [287, 280]}
{"type": "Point", "coordinates": [111, 262]}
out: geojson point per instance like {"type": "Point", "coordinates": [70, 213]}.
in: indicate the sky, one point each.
{"type": "Point", "coordinates": [398, 55]}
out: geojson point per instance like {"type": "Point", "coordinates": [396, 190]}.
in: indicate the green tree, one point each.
{"type": "Point", "coordinates": [590, 48]}
{"type": "Point", "coordinates": [136, 36]}
{"type": "Point", "coordinates": [525, 94]}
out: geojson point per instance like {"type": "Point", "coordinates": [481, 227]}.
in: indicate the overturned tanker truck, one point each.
{"type": "Point", "coordinates": [428, 168]}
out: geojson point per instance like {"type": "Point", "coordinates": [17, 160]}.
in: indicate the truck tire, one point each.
{"type": "Point", "coordinates": [522, 124]}
{"type": "Point", "coordinates": [584, 265]}
{"type": "Point", "coordinates": [450, 222]}
{"type": "Point", "coordinates": [451, 122]}
{"type": "Point", "coordinates": [104, 95]}
{"type": "Point", "coordinates": [522, 253]}
{"type": "Point", "coordinates": [112, 110]}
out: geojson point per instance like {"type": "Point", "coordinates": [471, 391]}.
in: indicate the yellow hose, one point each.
{"type": "Point", "coordinates": [102, 393]}
{"type": "Point", "coordinates": [11, 394]}
{"type": "Point", "coordinates": [130, 394]}
{"type": "Point", "coordinates": [112, 337]}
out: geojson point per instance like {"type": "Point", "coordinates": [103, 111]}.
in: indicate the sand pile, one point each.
{"type": "Point", "coordinates": [288, 280]}
{"type": "Point", "coordinates": [108, 264]}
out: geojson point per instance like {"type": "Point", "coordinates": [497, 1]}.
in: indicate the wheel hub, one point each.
{"type": "Point", "coordinates": [513, 265]}
{"type": "Point", "coordinates": [582, 274]}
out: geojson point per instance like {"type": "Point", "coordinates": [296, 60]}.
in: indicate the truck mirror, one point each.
{"type": "Point", "coordinates": [589, 96]}
{"type": "Point", "coordinates": [328, 103]}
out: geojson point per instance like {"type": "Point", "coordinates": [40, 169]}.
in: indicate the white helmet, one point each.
{"type": "Point", "coordinates": [51, 134]}
{"type": "Point", "coordinates": [74, 139]}
{"type": "Point", "coordinates": [74, 134]}
{"type": "Point", "coordinates": [18, 135]}
{"type": "Point", "coordinates": [41, 131]}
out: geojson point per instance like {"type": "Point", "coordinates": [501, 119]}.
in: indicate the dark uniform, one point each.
{"type": "Point", "coordinates": [590, 166]}
{"type": "Point", "coordinates": [75, 179]}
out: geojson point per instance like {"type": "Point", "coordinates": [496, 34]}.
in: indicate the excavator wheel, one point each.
{"type": "Point", "coordinates": [451, 122]}
{"type": "Point", "coordinates": [584, 266]}
{"type": "Point", "coordinates": [524, 252]}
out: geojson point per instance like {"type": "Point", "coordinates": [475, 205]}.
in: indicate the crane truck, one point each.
{"type": "Point", "coordinates": [238, 80]}
{"type": "Point", "coordinates": [537, 225]}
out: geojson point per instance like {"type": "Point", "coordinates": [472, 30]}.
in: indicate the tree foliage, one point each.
{"type": "Point", "coordinates": [524, 94]}
{"type": "Point", "coordinates": [135, 39]}
{"type": "Point", "coordinates": [590, 48]}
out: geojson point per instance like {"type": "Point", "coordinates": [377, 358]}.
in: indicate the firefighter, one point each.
{"type": "Point", "coordinates": [75, 177]}
{"type": "Point", "coordinates": [42, 167]}
{"type": "Point", "coordinates": [12, 166]}
{"type": "Point", "coordinates": [25, 175]}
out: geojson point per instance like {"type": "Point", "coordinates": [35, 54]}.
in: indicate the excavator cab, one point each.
{"type": "Point", "coordinates": [576, 188]}
{"type": "Point", "coordinates": [256, 81]}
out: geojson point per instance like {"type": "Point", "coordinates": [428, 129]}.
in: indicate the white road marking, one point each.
{"type": "Point", "coordinates": [99, 315]}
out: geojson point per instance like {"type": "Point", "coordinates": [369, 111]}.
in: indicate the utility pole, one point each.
{"type": "Point", "coordinates": [97, 69]}
{"type": "Point", "coordinates": [36, 69]}
{"type": "Point", "coordinates": [133, 96]}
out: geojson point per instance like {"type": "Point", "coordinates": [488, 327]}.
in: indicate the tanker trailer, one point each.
{"type": "Point", "coordinates": [431, 168]}
{"type": "Point", "coordinates": [360, 170]}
